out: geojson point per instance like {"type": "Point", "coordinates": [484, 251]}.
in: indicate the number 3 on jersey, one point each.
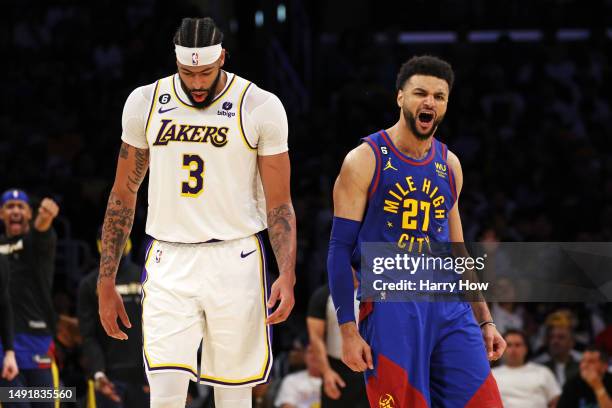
{"type": "Point", "coordinates": [194, 185]}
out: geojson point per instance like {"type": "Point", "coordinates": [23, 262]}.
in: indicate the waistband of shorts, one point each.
{"type": "Point", "coordinates": [202, 243]}
{"type": "Point", "coordinates": [210, 241]}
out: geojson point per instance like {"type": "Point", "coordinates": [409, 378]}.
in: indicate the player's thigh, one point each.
{"type": "Point", "coordinates": [171, 314]}
{"type": "Point", "coordinates": [236, 348]}
{"type": "Point", "coordinates": [400, 345]}
{"type": "Point", "coordinates": [460, 372]}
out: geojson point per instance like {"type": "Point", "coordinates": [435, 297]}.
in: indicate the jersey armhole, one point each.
{"type": "Point", "coordinates": [240, 120]}
{"type": "Point", "coordinates": [451, 177]}
{"type": "Point", "coordinates": [152, 107]}
{"type": "Point", "coordinates": [376, 177]}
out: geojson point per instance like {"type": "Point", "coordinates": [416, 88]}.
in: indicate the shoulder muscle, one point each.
{"type": "Point", "coordinates": [351, 188]}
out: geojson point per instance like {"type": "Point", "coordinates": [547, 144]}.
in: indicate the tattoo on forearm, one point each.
{"type": "Point", "coordinates": [281, 228]}
{"type": "Point", "coordinates": [119, 215]}
{"type": "Point", "coordinates": [117, 226]}
{"type": "Point", "coordinates": [138, 174]}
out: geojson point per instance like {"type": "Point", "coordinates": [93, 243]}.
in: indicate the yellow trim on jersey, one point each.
{"type": "Point", "coordinates": [262, 374]}
{"type": "Point", "coordinates": [217, 98]}
{"type": "Point", "coordinates": [153, 103]}
{"type": "Point", "coordinates": [239, 110]}
{"type": "Point", "coordinates": [169, 366]}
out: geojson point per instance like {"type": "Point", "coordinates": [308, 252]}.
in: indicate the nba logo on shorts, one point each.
{"type": "Point", "coordinates": [194, 58]}
{"type": "Point", "coordinates": [158, 254]}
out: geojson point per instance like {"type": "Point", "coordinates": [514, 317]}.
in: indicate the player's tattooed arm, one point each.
{"type": "Point", "coordinates": [275, 175]}
{"type": "Point", "coordinates": [281, 229]}
{"type": "Point", "coordinates": [131, 169]}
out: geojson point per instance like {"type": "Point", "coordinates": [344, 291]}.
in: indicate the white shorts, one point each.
{"type": "Point", "coordinates": [215, 292]}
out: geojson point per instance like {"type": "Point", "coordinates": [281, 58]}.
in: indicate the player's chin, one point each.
{"type": "Point", "coordinates": [16, 228]}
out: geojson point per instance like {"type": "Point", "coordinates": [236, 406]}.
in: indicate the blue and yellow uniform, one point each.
{"type": "Point", "coordinates": [425, 353]}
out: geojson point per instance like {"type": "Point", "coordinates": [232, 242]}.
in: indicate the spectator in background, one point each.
{"type": "Point", "coordinates": [604, 339]}
{"type": "Point", "coordinates": [524, 384]}
{"type": "Point", "coordinates": [593, 386]}
{"type": "Point", "coordinates": [560, 356]}
{"type": "Point", "coordinates": [342, 387]}
{"type": "Point", "coordinates": [115, 366]}
{"type": "Point", "coordinates": [31, 253]}
{"type": "Point", "coordinates": [303, 388]}
{"type": "Point", "coordinates": [506, 313]}
{"type": "Point", "coordinates": [9, 369]}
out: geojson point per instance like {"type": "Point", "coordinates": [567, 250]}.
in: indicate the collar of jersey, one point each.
{"type": "Point", "coordinates": [405, 158]}
{"type": "Point", "coordinates": [182, 96]}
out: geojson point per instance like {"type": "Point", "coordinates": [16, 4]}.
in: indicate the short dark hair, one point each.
{"type": "Point", "coordinates": [523, 335]}
{"type": "Point", "coordinates": [198, 32]}
{"type": "Point", "coordinates": [425, 65]}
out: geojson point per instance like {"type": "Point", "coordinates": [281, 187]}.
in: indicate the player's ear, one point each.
{"type": "Point", "coordinates": [400, 98]}
{"type": "Point", "coordinates": [222, 58]}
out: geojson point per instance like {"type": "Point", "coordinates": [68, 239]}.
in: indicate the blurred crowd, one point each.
{"type": "Point", "coordinates": [530, 122]}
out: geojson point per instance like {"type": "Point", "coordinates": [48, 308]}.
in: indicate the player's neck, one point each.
{"type": "Point", "coordinates": [413, 147]}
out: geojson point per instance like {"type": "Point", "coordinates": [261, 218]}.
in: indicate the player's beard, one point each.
{"type": "Point", "coordinates": [411, 119]}
{"type": "Point", "coordinates": [210, 92]}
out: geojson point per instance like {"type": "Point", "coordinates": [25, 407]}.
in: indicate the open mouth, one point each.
{"type": "Point", "coordinates": [15, 226]}
{"type": "Point", "coordinates": [426, 117]}
{"type": "Point", "coordinates": [199, 95]}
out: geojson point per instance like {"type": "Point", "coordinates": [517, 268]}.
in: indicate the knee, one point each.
{"type": "Point", "coordinates": [175, 401]}
{"type": "Point", "coordinates": [168, 389]}
{"type": "Point", "coordinates": [233, 397]}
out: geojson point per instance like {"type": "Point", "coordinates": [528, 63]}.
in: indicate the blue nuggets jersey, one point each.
{"type": "Point", "coordinates": [425, 354]}
{"type": "Point", "coordinates": [408, 200]}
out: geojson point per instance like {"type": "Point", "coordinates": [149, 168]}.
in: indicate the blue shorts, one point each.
{"type": "Point", "coordinates": [32, 351]}
{"type": "Point", "coordinates": [426, 354]}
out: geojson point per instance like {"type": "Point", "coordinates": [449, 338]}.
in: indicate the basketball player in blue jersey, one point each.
{"type": "Point", "coordinates": [215, 146]}
{"type": "Point", "coordinates": [402, 186]}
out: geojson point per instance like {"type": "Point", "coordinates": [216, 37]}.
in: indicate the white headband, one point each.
{"type": "Point", "coordinates": [197, 57]}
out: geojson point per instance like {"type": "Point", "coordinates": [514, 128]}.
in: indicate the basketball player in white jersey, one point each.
{"type": "Point", "coordinates": [216, 148]}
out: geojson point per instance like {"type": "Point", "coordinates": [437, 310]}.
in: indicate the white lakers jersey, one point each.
{"type": "Point", "coordinates": [203, 178]}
